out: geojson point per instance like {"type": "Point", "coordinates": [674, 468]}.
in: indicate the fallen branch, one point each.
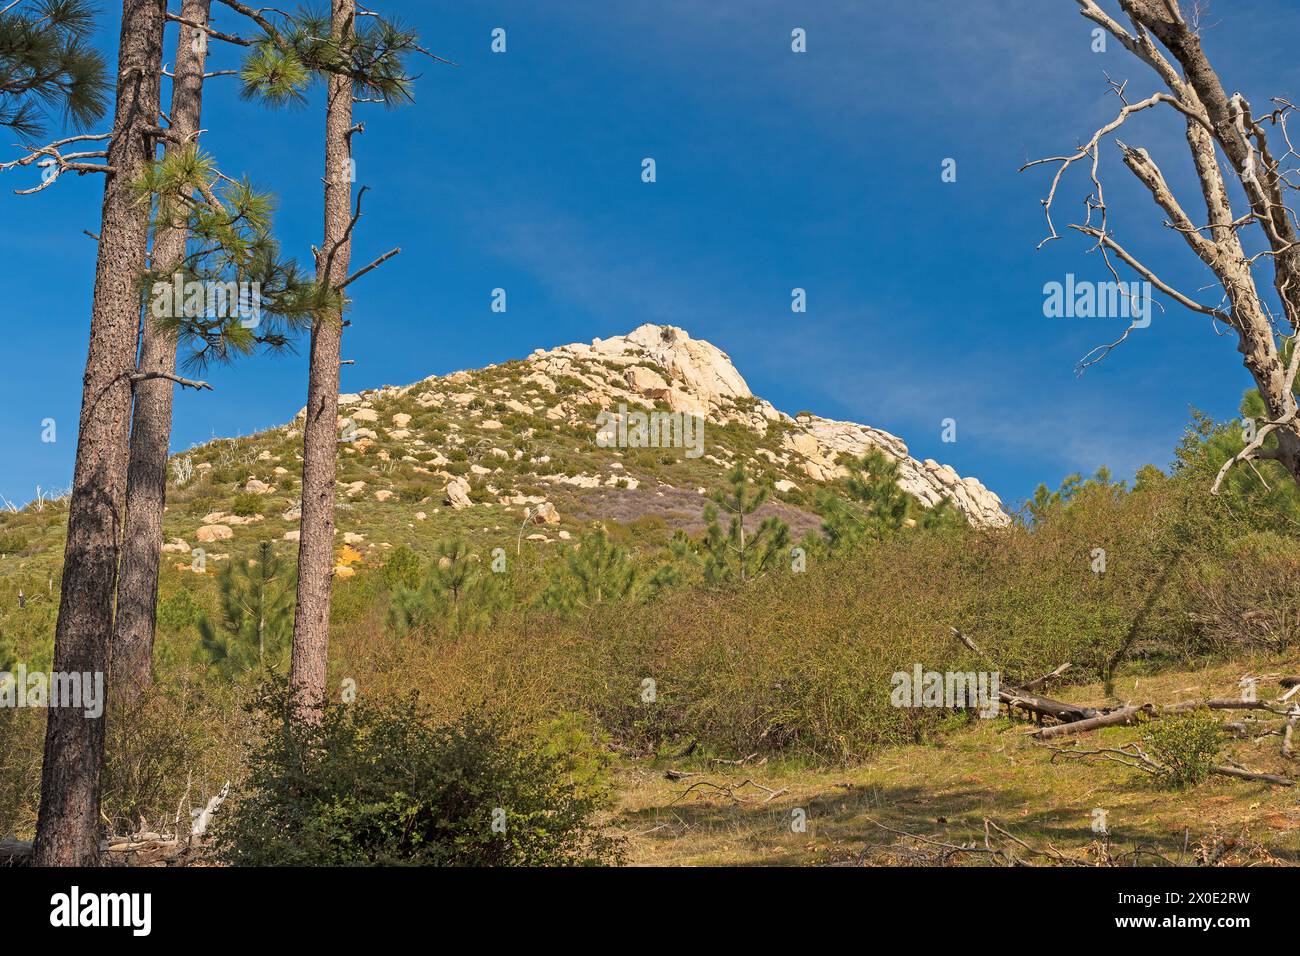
{"type": "Point", "coordinates": [1046, 707]}
{"type": "Point", "coordinates": [1221, 704]}
{"type": "Point", "coordinates": [1121, 717]}
{"type": "Point", "coordinates": [1243, 774]}
{"type": "Point", "coordinates": [1040, 682]}
{"type": "Point", "coordinates": [202, 818]}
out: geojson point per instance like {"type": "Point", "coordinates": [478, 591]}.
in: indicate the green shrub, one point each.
{"type": "Point", "coordinates": [581, 747]}
{"type": "Point", "coordinates": [1249, 602]}
{"type": "Point", "coordinates": [11, 542]}
{"type": "Point", "coordinates": [246, 503]}
{"type": "Point", "coordinates": [1187, 746]}
{"type": "Point", "coordinates": [375, 785]}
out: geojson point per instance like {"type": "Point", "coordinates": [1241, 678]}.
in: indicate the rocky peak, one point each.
{"type": "Point", "coordinates": [663, 363]}
{"type": "Point", "coordinates": [651, 366]}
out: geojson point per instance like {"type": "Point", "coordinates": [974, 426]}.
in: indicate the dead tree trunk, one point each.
{"type": "Point", "coordinates": [146, 483]}
{"type": "Point", "coordinates": [320, 429]}
{"type": "Point", "coordinates": [68, 822]}
{"type": "Point", "coordinates": [1161, 38]}
{"type": "Point", "coordinates": [1116, 718]}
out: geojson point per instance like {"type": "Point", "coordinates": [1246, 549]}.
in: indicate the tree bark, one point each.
{"type": "Point", "coordinates": [320, 430]}
{"type": "Point", "coordinates": [68, 822]}
{"type": "Point", "coordinates": [146, 482]}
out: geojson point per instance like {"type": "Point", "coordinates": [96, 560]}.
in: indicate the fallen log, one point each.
{"type": "Point", "coordinates": [1248, 775]}
{"type": "Point", "coordinates": [1024, 696]}
{"type": "Point", "coordinates": [1045, 706]}
{"type": "Point", "coordinates": [1117, 718]}
{"type": "Point", "coordinates": [1228, 703]}
{"type": "Point", "coordinates": [14, 852]}
{"type": "Point", "coordinates": [122, 851]}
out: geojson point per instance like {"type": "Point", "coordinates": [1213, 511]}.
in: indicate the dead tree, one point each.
{"type": "Point", "coordinates": [67, 830]}
{"type": "Point", "coordinates": [1228, 143]}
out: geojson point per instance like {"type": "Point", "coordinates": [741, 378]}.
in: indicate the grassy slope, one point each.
{"type": "Point", "coordinates": [944, 791]}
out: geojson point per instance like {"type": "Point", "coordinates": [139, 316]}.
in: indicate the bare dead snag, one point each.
{"type": "Point", "coordinates": [1217, 124]}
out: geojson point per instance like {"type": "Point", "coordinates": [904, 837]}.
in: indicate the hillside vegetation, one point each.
{"type": "Point", "coordinates": [651, 611]}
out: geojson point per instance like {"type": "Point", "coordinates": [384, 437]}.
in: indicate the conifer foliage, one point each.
{"type": "Point", "coordinates": [738, 554]}
{"type": "Point", "coordinates": [458, 593]}
{"type": "Point", "coordinates": [874, 507]}
{"type": "Point", "coordinates": [596, 572]}
{"type": "Point", "coordinates": [46, 65]}
{"type": "Point", "coordinates": [256, 620]}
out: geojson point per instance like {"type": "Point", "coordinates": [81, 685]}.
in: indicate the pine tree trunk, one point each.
{"type": "Point", "coordinates": [146, 483]}
{"type": "Point", "coordinates": [320, 430]}
{"type": "Point", "coordinates": [68, 824]}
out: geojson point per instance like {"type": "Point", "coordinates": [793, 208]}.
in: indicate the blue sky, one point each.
{"type": "Point", "coordinates": [775, 170]}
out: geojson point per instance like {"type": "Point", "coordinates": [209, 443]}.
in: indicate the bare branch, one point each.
{"type": "Point", "coordinates": [183, 382]}
{"type": "Point", "coordinates": [374, 265]}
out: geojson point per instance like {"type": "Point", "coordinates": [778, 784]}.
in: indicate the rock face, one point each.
{"type": "Point", "coordinates": [700, 377]}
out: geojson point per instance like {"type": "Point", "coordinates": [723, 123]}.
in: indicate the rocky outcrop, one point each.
{"type": "Point", "coordinates": [927, 480]}
{"type": "Point", "coordinates": [457, 494]}
{"type": "Point", "coordinates": [652, 367]}
{"type": "Point", "coordinates": [663, 364]}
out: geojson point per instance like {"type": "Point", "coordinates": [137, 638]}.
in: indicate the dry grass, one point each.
{"type": "Point", "coordinates": [945, 792]}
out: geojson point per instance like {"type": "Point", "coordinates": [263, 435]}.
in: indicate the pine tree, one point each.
{"type": "Point", "coordinates": [457, 594]}
{"type": "Point", "coordinates": [681, 563]}
{"type": "Point", "coordinates": [46, 63]}
{"type": "Point", "coordinates": [256, 621]}
{"type": "Point", "coordinates": [736, 554]}
{"type": "Point", "coordinates": [873, 506]}
{"type": "Point", "coordinates": [210, 229]}
{"type": "Point", "coordinates": [597, 571]}
{"type": "Point", "coordinates": [360, 59]}
{"type": "Point", "coordinates": [67, 830]}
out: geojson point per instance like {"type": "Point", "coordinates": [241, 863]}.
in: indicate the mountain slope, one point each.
{"type": "Point", "coordinates": [470, 452]}
{"type": "Point", "coordinates": [512, 454]}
